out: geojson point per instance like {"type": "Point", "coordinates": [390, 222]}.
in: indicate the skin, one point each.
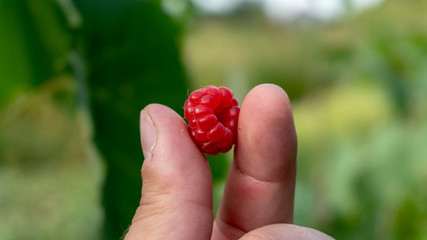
{"type": "Point", "coordinates": [258, 200]}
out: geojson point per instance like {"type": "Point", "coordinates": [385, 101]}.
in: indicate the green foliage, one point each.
{"type": "Point", "coordinates": [49, 177]}
{"type": "Point", "coordinates": [357, 85]}
{"type": "Point", "coordinates": [32, 32]}
{"type": "Point", "coordinates": [356, 167]}
{"type": "Point", "coordinates": [132, 50]}
{"type": "Point", "coordinates": [358, 90]}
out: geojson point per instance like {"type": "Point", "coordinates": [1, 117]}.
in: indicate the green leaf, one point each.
{"type": "Point", "coordinates": [33, 45]}
{"type": "Point", "coordinates": [133, 52]}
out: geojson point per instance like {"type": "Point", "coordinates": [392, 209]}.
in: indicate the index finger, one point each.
{"type": "Point", "coordinates": [261, 182]}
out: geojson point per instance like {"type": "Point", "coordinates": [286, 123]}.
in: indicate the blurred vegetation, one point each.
{"type": "Point", "coordinates": [132, 49]}
{"type": "Point", "coordinates": [117, 57]}
{"type": "Point", "coordinates": [74, 76]}
{"type": "Point", "coordinates": [358, 87]}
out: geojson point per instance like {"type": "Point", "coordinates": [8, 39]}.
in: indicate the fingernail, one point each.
{"type": "Point", "coordinates": [148, 134]}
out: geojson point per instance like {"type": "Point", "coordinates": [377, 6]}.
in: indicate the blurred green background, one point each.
{"type": "Point", "coordinates": [75, 74]}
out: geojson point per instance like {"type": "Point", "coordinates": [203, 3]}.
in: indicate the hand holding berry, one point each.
{"type": "Point", "coordinates": [258, 199]}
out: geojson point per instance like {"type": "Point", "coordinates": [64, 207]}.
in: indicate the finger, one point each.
{"type": "Point", "coordinates": [285, 232]}
{"type": "Point", "coordinates": [261, 181]}
{"type": "Point", "coordinates": [176, 200]}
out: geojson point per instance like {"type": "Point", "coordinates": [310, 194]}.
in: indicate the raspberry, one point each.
{"type": "Point", "coordinates": [212, 115]}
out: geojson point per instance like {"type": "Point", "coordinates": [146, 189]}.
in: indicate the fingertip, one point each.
{"type": "Point", "coordinates": [270, 87]}
{"type": "Point", "coordinates": [174, 151]}
{"type": "Point", "coordinates": [177, 183]}
{"type": "Point", "coordinates": [286, 231]}
{"type": "Point", "coordinates": [261, 182]}
{"type": "Point", "coordinates": [268, 100]}
{"type": "Point", "coordinates": [266, 131]}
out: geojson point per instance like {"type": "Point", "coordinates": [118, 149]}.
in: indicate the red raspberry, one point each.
{"type": "Point", "coordinates": [212, 115]}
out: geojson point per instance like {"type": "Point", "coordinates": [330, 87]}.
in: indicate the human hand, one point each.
{"type": "Point", "coordinates": [258, 199]}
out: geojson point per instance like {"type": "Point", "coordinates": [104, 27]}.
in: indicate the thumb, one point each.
{"type": "Point", "coordinates": [285, 231]}
{"type": "Point", "coordinates": [176, 201]}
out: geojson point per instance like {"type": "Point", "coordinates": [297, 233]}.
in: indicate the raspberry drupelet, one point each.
{"type": "Point", "coordinates": [212, 114]}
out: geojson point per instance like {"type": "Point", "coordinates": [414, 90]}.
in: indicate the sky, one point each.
{"type": "Point", "coordinates": [288, 10]}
